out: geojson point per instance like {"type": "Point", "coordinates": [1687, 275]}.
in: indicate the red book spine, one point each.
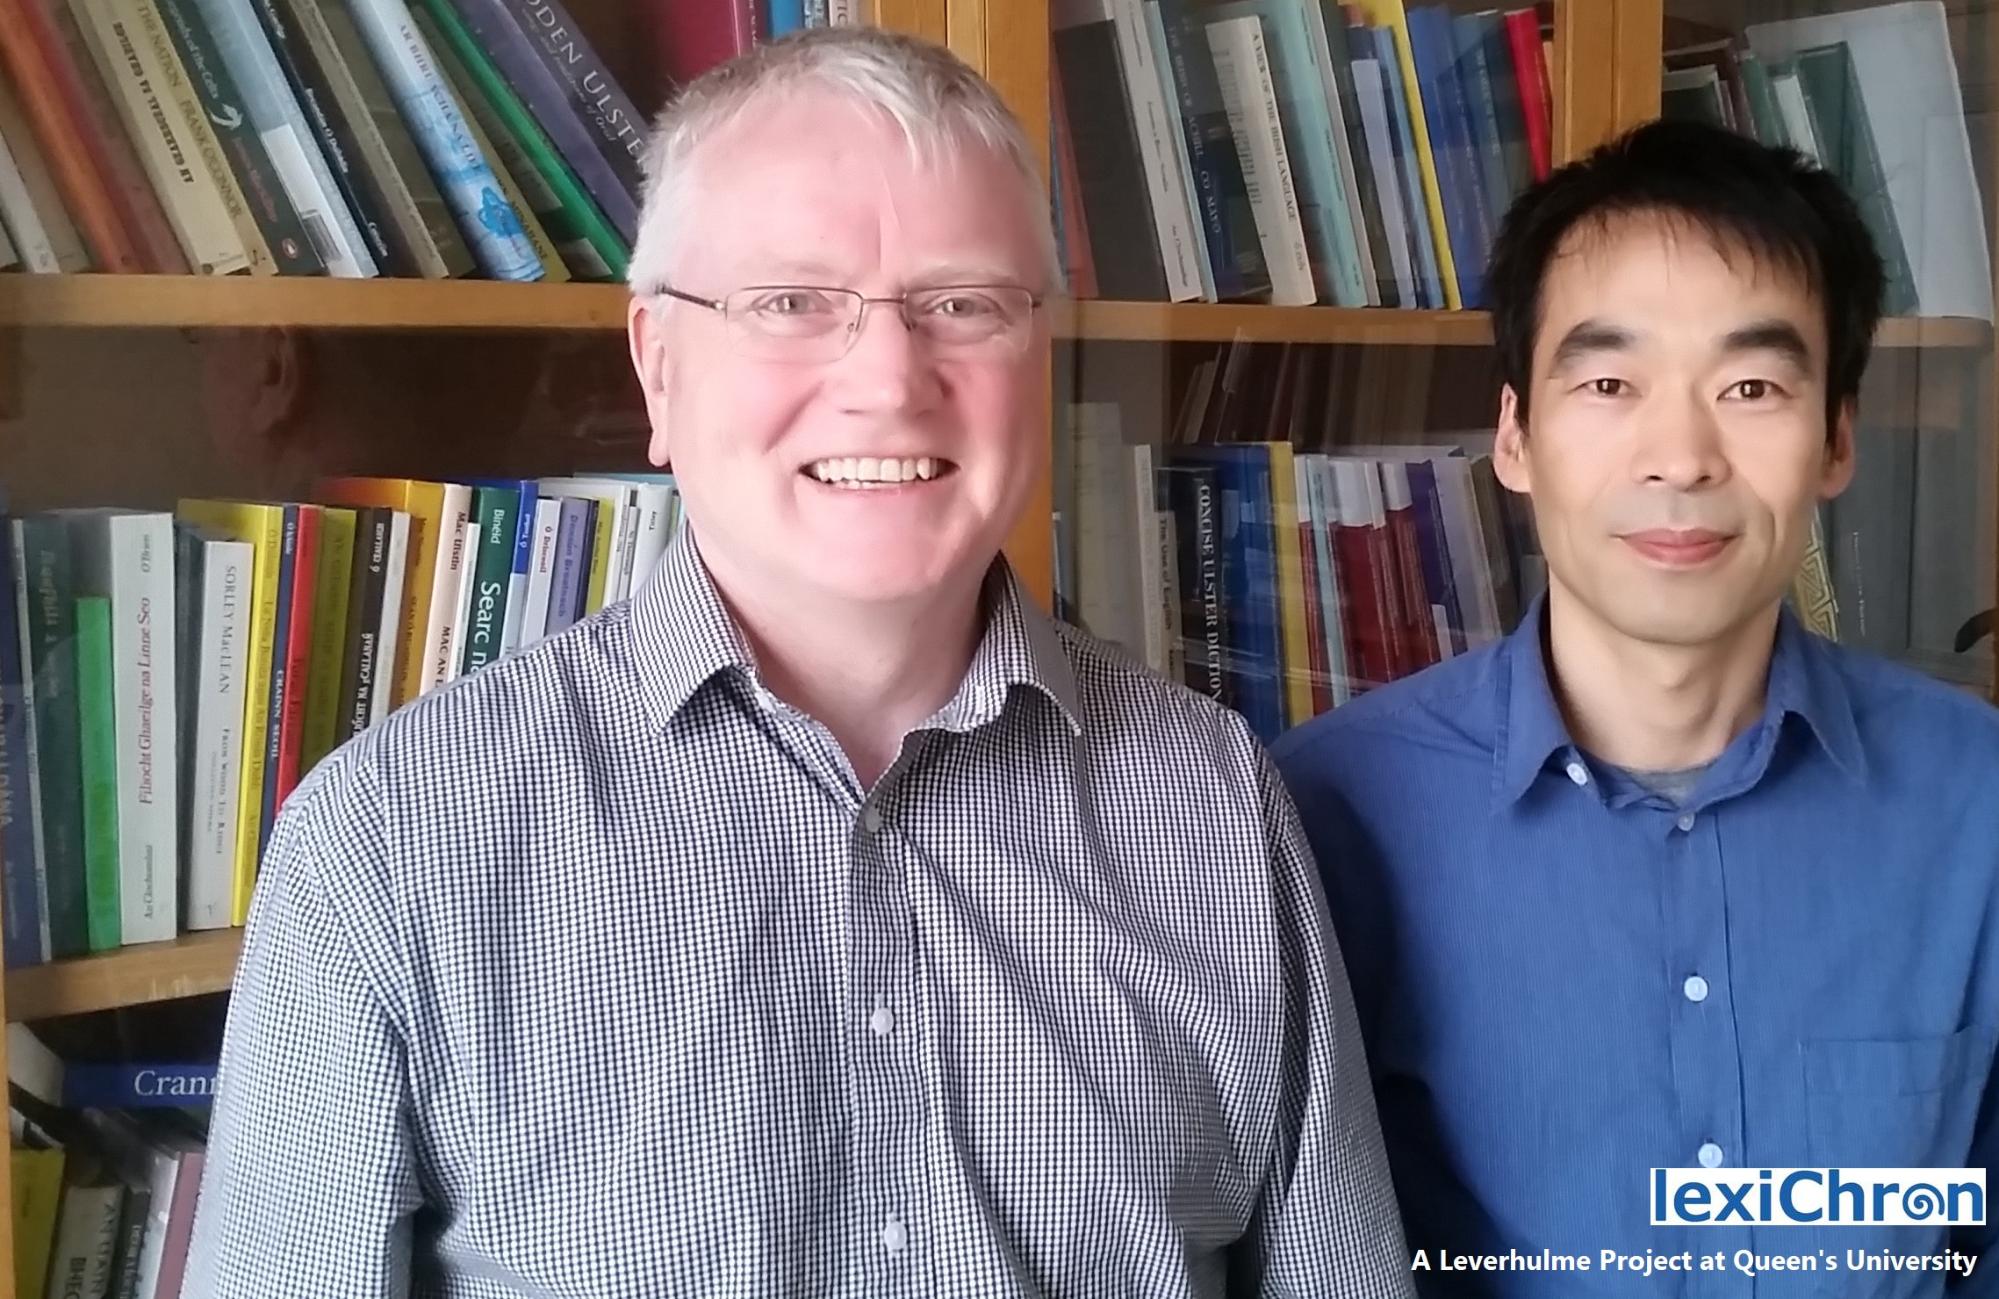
{"type": "Point", "coordinates": [1523, 35]}
{"type": "Point", "coordinates": [689, 39]}
{"type": "Point", "coordinates": [1371, 621]}
{"type": "Point", "coordinates": [1419, 626]}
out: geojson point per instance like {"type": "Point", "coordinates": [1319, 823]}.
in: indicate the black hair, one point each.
{"type": "Point", "coordinates": [1773, 203]}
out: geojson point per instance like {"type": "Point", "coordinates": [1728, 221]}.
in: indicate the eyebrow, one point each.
{"type": "Point", "coordinates": [1588, 337]}
{"type": "Point", "coordinates": [1774, 335]}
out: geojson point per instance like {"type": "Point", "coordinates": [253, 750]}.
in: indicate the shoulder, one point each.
{"type": "Point", "coordinates": [1448, 707]}
{"type": "Point", "coordinates": [1898, 708]}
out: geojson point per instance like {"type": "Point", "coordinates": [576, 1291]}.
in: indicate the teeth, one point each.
{"type": "Point", "coordinates": [850, 471]}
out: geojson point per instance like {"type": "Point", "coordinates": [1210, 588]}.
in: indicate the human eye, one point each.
{"type": "Point", "coordinates": [1605, 386]}
{"type": "Point", "coordinates": [791, 302]}
{"type": "Point", "coordinates": [962, 304]}
{"type": "Point", "coordinates": [1752, 390]}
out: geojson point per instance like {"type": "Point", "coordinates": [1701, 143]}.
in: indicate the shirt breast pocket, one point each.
{"type": "Point", "coordinates": [1891, 1103]}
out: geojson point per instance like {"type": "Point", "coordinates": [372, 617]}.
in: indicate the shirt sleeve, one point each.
{"type": "Point", "coordinates": [309, 1183]}
{"type": "Point", "coordinates": [1327, 1222]}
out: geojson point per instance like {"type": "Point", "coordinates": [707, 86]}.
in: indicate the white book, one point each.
{"type": "Point", "coordinates": [129, 557]}
{"type": "Point", "coordinates": [541, 571]}
{"type": "Point", "coordinates": [1176, 131]}
{"type": "Point", "coordinates": [447, 576]}
{"type": "Point", "coordinates": [45, 198]}
{"type": "Point", "coordinates": [24, 621]}
{"type": "Point", "coordinates": [216, 757]}
{"type": "Point", "coordinates": [461, 618]}
{"type": "Point", "coordinates": [388, 635]}
{"type": "Point", "coordinates": [652, 530]}
{"type": "Point", "coordinates": [273, 109]}
{"type": "Point", "coordinates": [1242, 71]}
{"type": "Point", "coordinates": [1173, 217]}
{"type": "Point", "coordinates": [166, 139]}
{"type": "Point", "coordinates": [1372, 94]}
{"type": "Point", "coordinates": [23, 223]}
{"type": "Point", "coordinates": [615, 495]}
{"type": "Point", "coordinates": [1143, 503]}
{"type": "Point", "coordinates": [1911, 96]}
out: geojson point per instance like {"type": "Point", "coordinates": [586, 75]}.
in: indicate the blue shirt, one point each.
{"type": "Point", "coordinates": [1564, 981]}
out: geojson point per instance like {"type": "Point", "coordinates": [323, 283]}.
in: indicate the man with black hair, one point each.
{"type": "Point", "coordinates": [1662, 880]}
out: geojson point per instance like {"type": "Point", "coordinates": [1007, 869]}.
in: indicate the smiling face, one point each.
{"type": "Point", "coordinates": [1678, 442]}
{"type": "Point", "coordinates": [891, 473]}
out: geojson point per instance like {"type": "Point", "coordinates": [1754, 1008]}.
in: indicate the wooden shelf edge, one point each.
{"type": "Point", "coordinates": [188, 966]}
{"type": "Point", "coordinates": [194, 302]}
{"type": "Point", "coordinates": [186, 301]}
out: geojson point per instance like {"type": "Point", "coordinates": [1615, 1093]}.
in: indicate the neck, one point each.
{"type": "Point", "coordinates": [868, 673]}
{"type": "Point", "coordinates": [1651, 707]}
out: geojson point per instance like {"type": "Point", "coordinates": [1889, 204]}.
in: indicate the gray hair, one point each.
{"type": "Point", "coordinates": [937, 102]}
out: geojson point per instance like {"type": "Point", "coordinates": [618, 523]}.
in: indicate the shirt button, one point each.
{"type": "Point", "coordinates": [1695, 987]}
{"type": "Point", "coordinates": [1709, 1155]}
{"type": "Point", "coordinates": [1686, 822]}
{"type": "Point", "coordinates": [871, 819]}
{"type": "Point", "coordinates": [1578, 773]}
{"type": "Point", "coordinates": [882, 1021]}
{"type": "Point", "coordinates": [894, 1236]}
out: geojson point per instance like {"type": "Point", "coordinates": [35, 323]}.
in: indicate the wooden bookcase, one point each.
{"type": "Point", "coordinates": [66, 344]}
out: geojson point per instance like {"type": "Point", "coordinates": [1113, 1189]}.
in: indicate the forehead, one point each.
{"type": "Point", "coordinates": [1655, 269]}
{"type": "Point", "coordinates": [811, 177]}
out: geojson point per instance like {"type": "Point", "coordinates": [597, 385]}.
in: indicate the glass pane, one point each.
{"type": "Point", "coordinates": [1896, 100]}
{"type": "Point", "coordinates": [1318, 152]}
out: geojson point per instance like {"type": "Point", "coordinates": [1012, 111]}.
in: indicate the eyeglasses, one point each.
{"type": "Point", "coordinates": [813, 325]}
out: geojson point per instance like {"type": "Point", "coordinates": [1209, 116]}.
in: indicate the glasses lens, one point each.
{"type": "Point", "coordinates": [969, 317]}
{"type": "Point", "coordinates": [786, 319]}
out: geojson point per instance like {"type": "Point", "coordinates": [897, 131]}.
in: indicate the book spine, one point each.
{"type": "Point", "coordinates": [274, 111]}
{"type": "Point", "coordinates": [364, 620]}
{"type": "Point", "coordinates": [493, 561]}
{"type": "Point", "coordinates": [389, 640]}
{"type": "Point", "coordinates": [38, 179]}
{"type": "Point", "coordinates": [572, 563]}
{"type": "Point", "coordinates": [287, 748]}
{"type": "Point", "coordinates": [335, 137]}
{"type": "Point", "coordinates": [440, 632]}
{"type": "Point", "coordinates": [1242, 72]}
{"type": "Point", "coordinates": [416, 205]}
{"type": "Point", "coordinates": [97, 757]}
{"type": "Point", "coordinates": [541, 572]}
{"type": "Point", "coordinates": [164, 140]}
{"type": "Point", "coordinates": [17, 209]}
{"type": "Point", "coordinates": [46, 85]}
{"type": "Point", "coordinates": [465, 175]}
{"type": "Point", "coordinates": [178, 84]}
{"type": "Point", "coordinates": [145, 683]}
{"type": "Point", "coordinates": [215, 768]}
{"type": "Point", "coordinates": [545, 96]}
{"type": "Point", "coordinates": [332, 591]}
{"type": "Point", "coordinates": [50, 598]}
{"type": "Point", "coordinates": [20, 830]}
{"type": "Point", "coordinates": [618, 129]}
{"type": "Point", "coordinates": [263, 192]}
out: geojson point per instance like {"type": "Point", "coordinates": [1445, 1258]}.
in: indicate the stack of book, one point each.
{"type": "Point", "coordinates": [1292, 151]}
{"type": "Point", "coordinates": [356, 138]}
{"type": "Point", "coordinates": [166, 679]}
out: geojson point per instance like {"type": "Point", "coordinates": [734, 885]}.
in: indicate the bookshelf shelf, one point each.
{"type": "Point", "coordinates": [184, 301]}
{"type": "Point", "coordinates": [168, 301]}
{"type": "Point", "coordinates": [188, 966]}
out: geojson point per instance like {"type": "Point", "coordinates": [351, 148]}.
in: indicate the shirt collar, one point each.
{"type": "Point", "coordinates": [684, 636]}
{"type": "Point", "coordinates": [1804, 683]}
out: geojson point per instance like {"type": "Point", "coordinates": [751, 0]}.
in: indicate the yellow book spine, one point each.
{"type": "Point", "coordinates": [424, 503]}
{"type": "Point", "coordinates": [1390, 14]}
{"type": "Point", "coordinates": [600, 556]}
{"type": "Point", "coordinates": [1290, 584]}
{"type": "Point", "coordinates": [37, 1197]}
{"type": "Point", "coordinates": [329, 632]}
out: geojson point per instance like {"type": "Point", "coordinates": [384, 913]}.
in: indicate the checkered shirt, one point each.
{"type": "Point", "coordinates": [597, 975]}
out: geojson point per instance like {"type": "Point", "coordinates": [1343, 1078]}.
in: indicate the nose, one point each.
{"type": "Point", "coordinates": [1680, 445]}
{"type": "Point", "coordinates": [888, 368]}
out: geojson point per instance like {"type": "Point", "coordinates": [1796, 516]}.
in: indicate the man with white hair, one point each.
{"type": "Point", "coordinates": [824, 919]}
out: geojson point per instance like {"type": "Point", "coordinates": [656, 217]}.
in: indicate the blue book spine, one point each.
{"type": "Point", "coordinates": [1235, 256]}
{"type": "Point", "coordinates": [572, 563]}
{"type": "Point", "coordinates": [137, 1086]}
{"type": "Point", "coordinates": [274, 707]}
{"type": "Point", "coordinates": [464, 173]}
{"type": "Point", "coordinates": [1434, 547]}
{"type": "Point", "coordinates": [1434, 51]}
{"type": "Point", "coordinates": [20, 841]}
{"type": "Point", "coordinates": [1249, 575]}
{"type": "Point", "coordinates": [1429, 279]}
{"type": "Point", "coordinates": [785, 16]}
{"type": "Point", "coordinates": [1480, 104]}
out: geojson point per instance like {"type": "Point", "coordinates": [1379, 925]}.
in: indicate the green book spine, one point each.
{"type": "Point", "coordinates": [498, 511]}
{"type": "Point", "coordinates": [577, 218]}
{"type": "Point", "coordinates": [51, 615]}
{"type": "Point", "coordinates": [1847, 149]}
{"type": "Point", "coordinates": [97, 732]}
{"type": "Point", "coordinates": [1765, 116]}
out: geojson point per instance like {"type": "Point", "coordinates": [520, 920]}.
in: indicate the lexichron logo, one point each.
{"type": "Point", "coordinates": [1885, 1197]}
